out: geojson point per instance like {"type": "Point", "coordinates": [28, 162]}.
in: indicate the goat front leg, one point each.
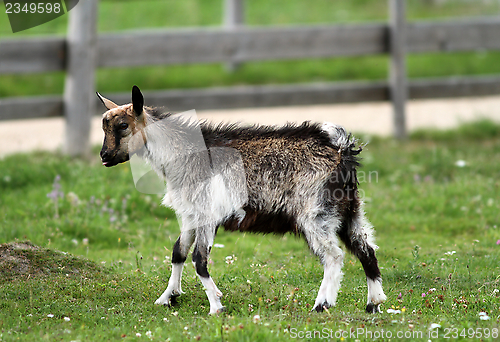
{"type": "Point", "coordinates": [179, 256]}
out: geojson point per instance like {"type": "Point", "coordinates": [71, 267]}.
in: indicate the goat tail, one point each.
{"type": "Point", "coordinates": [348, 159]}
{"type": "Point", "coordinates": [344, 142]}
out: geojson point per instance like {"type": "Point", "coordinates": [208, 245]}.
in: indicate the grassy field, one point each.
{"type": "Point", "coordinates": [127, 15]}
{"type": "Point", "coordinates": [433, 200]}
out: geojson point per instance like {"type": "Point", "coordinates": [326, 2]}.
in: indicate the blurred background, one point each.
{"type": "Point", "coordinates": [373, 117]}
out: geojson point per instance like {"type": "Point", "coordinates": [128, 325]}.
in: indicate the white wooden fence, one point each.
{"type": "Point", "coordinates": [83, 51]}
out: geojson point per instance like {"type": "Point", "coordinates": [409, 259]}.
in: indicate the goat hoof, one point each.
{"type": "Point", "coordinates": [372, 308]}
{"type": "Point", "coordinates": [218, 311]}
{"type": "Point", "coordinates": [322, 307]}
{"type": "Point", "coordinates": [160, 301]}
{"type": "Point", "coordinates": [172, 300]}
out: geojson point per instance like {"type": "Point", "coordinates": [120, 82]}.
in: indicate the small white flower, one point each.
{"type": "Point", "coordinates": [392, 311]}
{"type": "Point", "coordinates": [149, 334]}
{"type": "Point", "coordinates": [138, 334]}
{"type": "Point", "coordinates": [67, 319]}
{"type": "Point", "coordinates": [50, 315]}
{"type": "Point", "coordinates": [450, 253]}
{"type": "Point", "coordinates": [165, 319]}
{"type": "Point", "coordinates": [75, 242]}
{"type": "Point", "coordinates": [432, 290]}
{"type": "Point", "coordinates": [256, 319]}
{"type": "Point", "coordinates": [219, 245]}
{"type": "Point", "coordinates": [460, 163]}
{"type": "Point", "coordinates": [435, 326]}
{"type": "Point", "coordinates": [231, 259]}
{"type": "Point", "coordinates": [483, 316]}
{"type": "Point", "coordinates": [85, 241]}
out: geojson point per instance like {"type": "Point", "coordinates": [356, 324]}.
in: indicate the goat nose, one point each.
{"type": "Point", "coordinates": [104, 154]}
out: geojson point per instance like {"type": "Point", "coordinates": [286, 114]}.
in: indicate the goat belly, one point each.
{"type": "Point", "coordinates": [260, 222]}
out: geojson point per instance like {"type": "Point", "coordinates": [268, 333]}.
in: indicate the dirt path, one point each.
{"type": "Point", "coordinates": [370, 118]}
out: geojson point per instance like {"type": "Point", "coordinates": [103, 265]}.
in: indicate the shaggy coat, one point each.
{"type": "Point", "coordinates": [296, 178]}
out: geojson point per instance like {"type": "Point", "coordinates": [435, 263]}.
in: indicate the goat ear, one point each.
{"type": "Point", "coordinates": [107, 103]}
{"type": "Point", "coordinates": [137, 100]}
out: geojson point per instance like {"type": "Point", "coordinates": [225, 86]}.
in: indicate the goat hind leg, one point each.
{"type": "Point", "coordinates": [358, 239]}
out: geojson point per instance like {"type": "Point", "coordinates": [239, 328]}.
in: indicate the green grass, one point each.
{"type": "Point", "coordinates": [149, 14]}
{"type": "Point", "coordinates": [437, 225]}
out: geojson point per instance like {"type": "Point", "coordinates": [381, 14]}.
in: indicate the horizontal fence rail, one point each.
{"type": "Point", "coordinates": [27, 56]}
{"type": "Point", "coordinates": [243, 44]}
{"type": "Point", "coordinates": [264, 96]}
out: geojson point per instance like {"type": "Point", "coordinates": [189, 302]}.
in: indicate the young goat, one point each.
{"type": "Point", "coordinates": [296, 178]}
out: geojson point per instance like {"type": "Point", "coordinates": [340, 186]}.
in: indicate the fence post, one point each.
{"type": "Point", "coordinates": [234, 14]}
{"type": "Point", "coordinates": [79, 89]}
{"type": "Point", "coordinates": [397, 78]}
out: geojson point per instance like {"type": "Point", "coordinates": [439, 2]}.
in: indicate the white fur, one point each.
{"type": "Point", "coordinates": [214, 295]}
{"type": "Point", "coordinates": [218, 193]}
{"type": "Point", "coordinates": [322, 239]}
{"type": "Point", "coordinates": [240, 214]}
{"type": "Point", "coordinates": [375, 292]}
{"type": "Point", "coordinates": [364, 228]}
{"type": "Point", "coordinates": [332, 277]}
{"type": "Point", "coordinates": [167, 200]}
{"type": "Point", "coordinates": [337, 135]}
{"type": "Point", "coordinates": [174, 285]}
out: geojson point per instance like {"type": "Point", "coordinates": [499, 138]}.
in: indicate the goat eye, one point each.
{"type": "Point", "coordinates": [123, 125]}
